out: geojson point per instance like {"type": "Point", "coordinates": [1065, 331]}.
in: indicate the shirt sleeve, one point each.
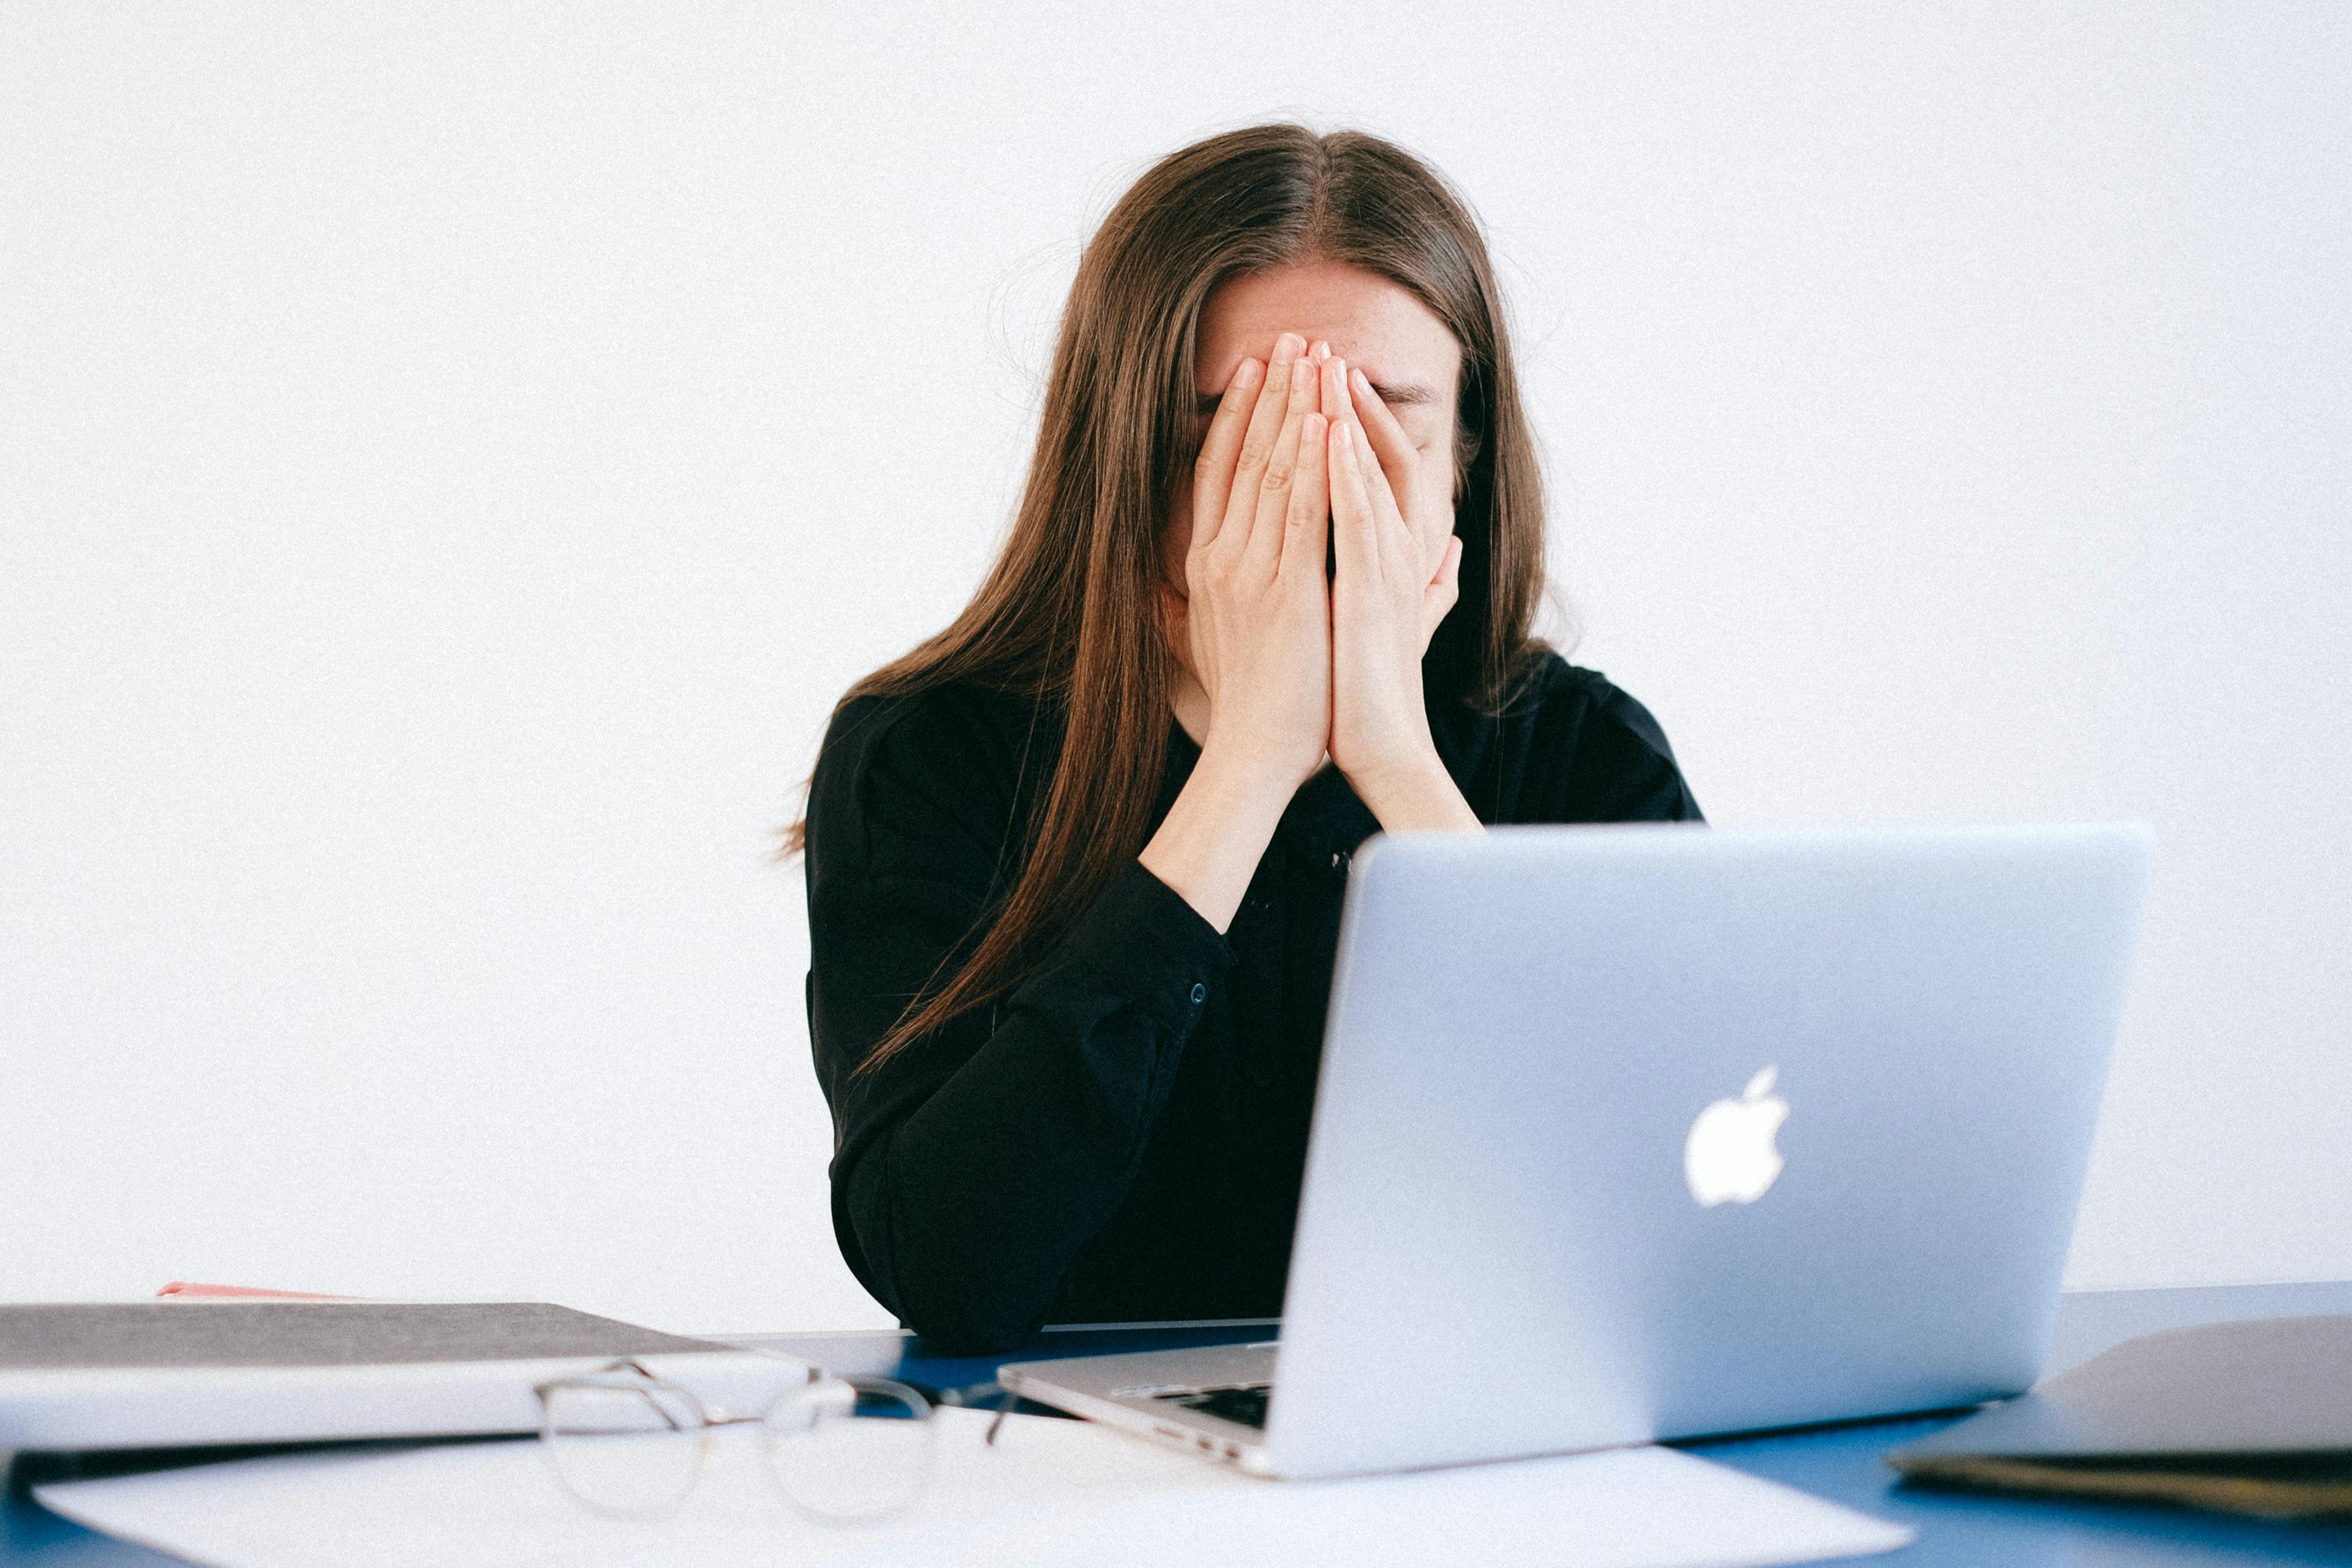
{"type": "Point", "coordinates": [970, 1167]}
{"type": "Point", "coordinates": [1603, 757]}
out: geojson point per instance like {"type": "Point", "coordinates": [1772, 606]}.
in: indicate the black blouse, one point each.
{"type": "Point", "coordinates": [1121, 1137]}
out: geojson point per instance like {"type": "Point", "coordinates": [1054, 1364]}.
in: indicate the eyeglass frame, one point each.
{"type": "Point", "coordinates": [710, 1417]}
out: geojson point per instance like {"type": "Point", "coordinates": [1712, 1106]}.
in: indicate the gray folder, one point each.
{"type": "Point", "coordinates": [154, 1375]}
{"type": "Point", "coordinates": [2249, 1417]}
{"type": "Point", "coordinates": [312, 1333]}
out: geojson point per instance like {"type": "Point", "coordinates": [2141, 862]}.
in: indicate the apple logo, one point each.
{"type": "Point", "coordinates": [1729, 1156]}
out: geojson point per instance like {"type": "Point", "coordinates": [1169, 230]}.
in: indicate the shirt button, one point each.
{"type": "Point", "coordinates": [1200, 993]}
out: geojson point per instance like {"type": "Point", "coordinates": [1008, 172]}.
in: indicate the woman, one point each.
{"type": "Point", "coordinates": [1074, 865]}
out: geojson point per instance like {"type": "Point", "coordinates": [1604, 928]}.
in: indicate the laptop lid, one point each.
{"type": "Point", "coordinates": [1640, 1131]}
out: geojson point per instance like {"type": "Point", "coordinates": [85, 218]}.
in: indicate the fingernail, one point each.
{"type": "Point", "coordinates": [1345, 439]}
{"type": "Point", "coordinates": [1246, 372]}
{"type": "Point", "coordinates": [1302, 374]}
{"type": "Point", "coordinates": [1340, 365]}
{"type": "Point", "coordinates": [1290, 345]}
{"type": "Point", "coordinates": [1313, 427]}
{"type": "Point", "coordinates": [1363, 383]}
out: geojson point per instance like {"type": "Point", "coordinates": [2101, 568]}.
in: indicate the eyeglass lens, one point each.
{"type": "Point", "coordinates": [630, 1450]}
{"type": "Point", "coordinates": [850, 1448]}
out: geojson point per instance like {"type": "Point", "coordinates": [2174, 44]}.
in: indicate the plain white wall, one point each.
{"type": "Point", "coordinates": [451, 459]}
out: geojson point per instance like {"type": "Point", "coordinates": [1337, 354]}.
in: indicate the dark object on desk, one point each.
{"type": "Point", "coordinates": [2246, 1417]}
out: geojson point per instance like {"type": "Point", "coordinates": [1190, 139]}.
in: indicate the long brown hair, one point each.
{"type": "Point", "coordinates": [1068, 614]}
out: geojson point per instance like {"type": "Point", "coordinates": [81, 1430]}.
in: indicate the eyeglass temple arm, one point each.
{"type": "Point", "coordinates": [1004, 1408]}
{"type": "Point", "coordinates": [812, 1373]}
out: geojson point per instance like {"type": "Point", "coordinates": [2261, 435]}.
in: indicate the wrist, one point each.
{"type": "Point", "coordinates": [1413, 794]}
{"type": "Point", "coordinates": [1408, 767]}
{"type": "Point", "coordinates": [1209, 845]}
{"type": "Point", "coordinates": [1245, 777]}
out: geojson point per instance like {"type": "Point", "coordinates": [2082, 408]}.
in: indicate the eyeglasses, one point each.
{"type": "Point", "coordinates": [840, 1449]}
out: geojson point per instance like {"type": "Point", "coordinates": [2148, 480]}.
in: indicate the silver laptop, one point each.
{"type": "Point", "coordinates": [1636, 1132]}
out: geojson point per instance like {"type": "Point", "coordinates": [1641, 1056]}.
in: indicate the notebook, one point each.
{"type": "Point", "coordinates": [172, 1373]}
{"type": "Point", "coordinates": [2247, 1417]}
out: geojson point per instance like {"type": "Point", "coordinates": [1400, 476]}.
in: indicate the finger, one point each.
{"type": "Point", "coordinates": [1352, 525]}
{"type": "Point", "coordinates": [1264, 542]}
{"type": "Point", "coordinates": [1390, 448]}
{"type": "Point", "coordinates": [1340, 400]}
{"type": "Point", "coordinates": [1447, 584]}
{"type": "Point", "coordinates": [1390, 529]}
{"type": "Point", "coordinates": [1258, 440]}
{"type": "Point", "coordinates": [1443, 595]}
{"type": "Point", "coordinates": [1306, 525]}
{"type": "Point", "coordinates": [1400, 554]}
{"type": "Point", "coordinates": [1212, 473]}
{"type": "Point", "coordinates": [1169, 608]}
{"type": "Point", "coordinates": [1389, 441]}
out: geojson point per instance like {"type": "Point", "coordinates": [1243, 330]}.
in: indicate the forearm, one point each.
{"type": "Point", "coordinates": [1209, 847]}
{"type": "Point", "coordinates": [974, 1166]}
{"type": "Point", "coordinates": [969, 1211]}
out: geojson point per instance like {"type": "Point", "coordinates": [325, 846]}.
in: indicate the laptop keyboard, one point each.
{"type": "Point", "coordinates": [1245, 1402]}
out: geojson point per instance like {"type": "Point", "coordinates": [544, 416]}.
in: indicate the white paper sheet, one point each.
{"type": "Point", "coordinates": [1050, 1492]}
